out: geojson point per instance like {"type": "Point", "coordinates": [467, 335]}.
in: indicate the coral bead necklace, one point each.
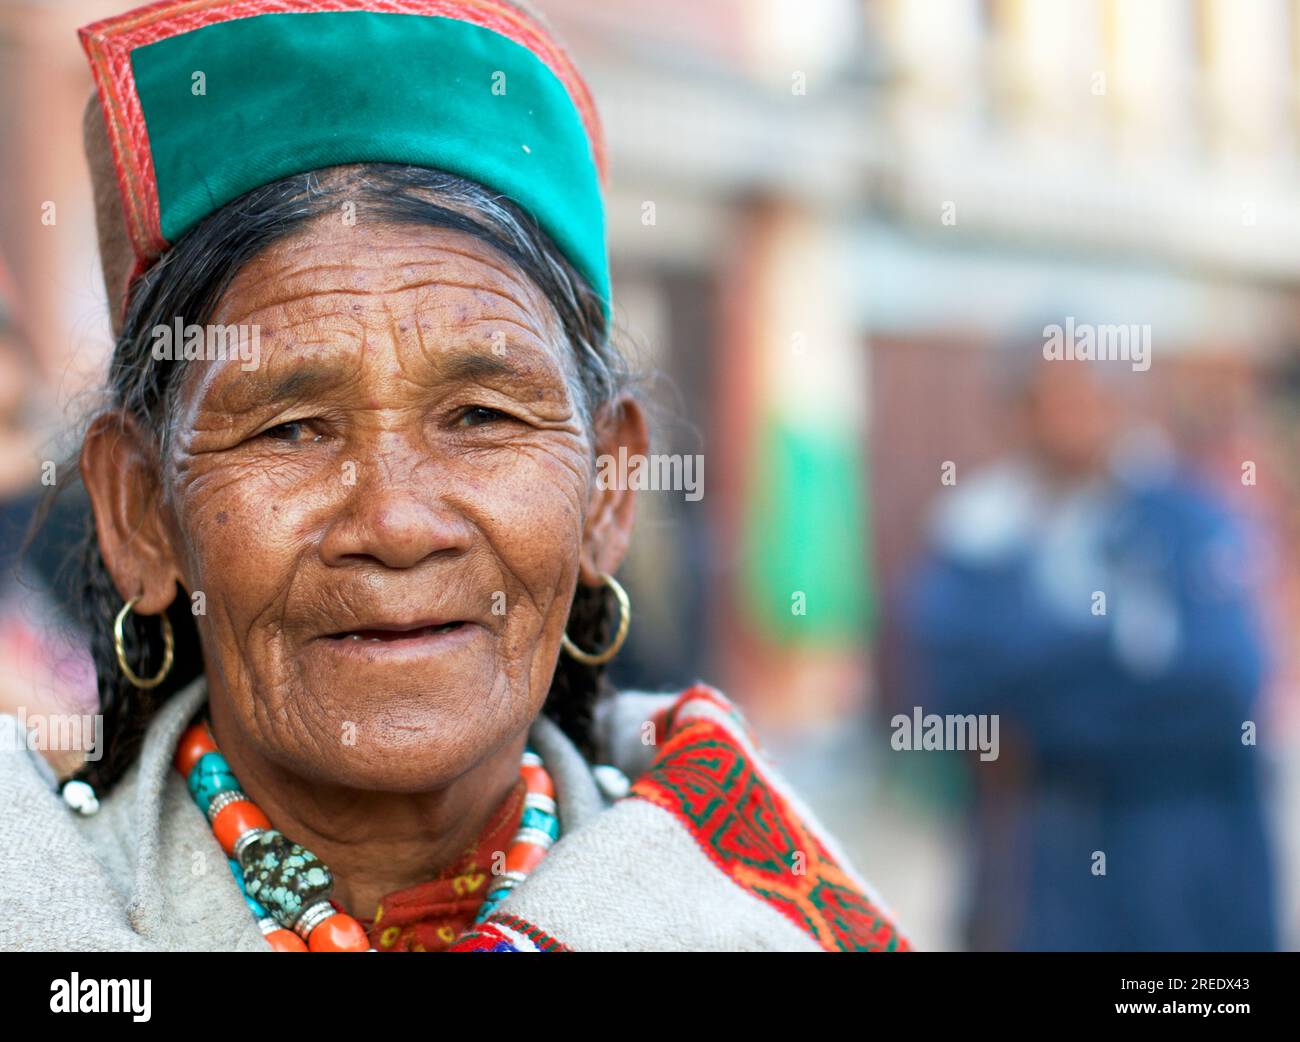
{"type": "Point", "coordinates": [287, 887]}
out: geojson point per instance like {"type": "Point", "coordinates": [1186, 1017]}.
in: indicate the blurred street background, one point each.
{"type": "Point", "coordinates": [840, 230]}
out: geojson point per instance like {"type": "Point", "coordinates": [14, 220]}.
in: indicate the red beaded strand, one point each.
{"type": "Point", "coordinates": [238, 816]}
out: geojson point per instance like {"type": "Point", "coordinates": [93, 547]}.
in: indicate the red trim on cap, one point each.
{"type": "Point", "coordinates": [108, 44]}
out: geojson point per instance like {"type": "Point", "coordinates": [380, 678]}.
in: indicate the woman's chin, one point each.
{"type": "Point", "coordinates": [407, 715]}
{"type": "Point", "coordinates": [408, 745]}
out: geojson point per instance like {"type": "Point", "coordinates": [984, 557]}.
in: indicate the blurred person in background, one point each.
{"type": "Point", "coordinates": [1093, 592]}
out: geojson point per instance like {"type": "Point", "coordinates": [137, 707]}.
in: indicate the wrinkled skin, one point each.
{"type": "Point", "coordinates": [408, 452]}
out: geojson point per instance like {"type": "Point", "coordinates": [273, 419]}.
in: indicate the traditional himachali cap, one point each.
{"type": "Point", "coordinates": [204, 100]}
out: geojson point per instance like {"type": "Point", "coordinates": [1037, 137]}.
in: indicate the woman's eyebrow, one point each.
{"type": "Point", "coordinates": [244, 394]}
{"type": "Point", "coordinates": [481, 366]}
{"type": "Point", "coordinates": [298, 383]}
{"type": "Point", "coordinates": [311, 378]}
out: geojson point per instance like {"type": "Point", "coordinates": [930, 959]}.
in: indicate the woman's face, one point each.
{"type": "Point", "coordinates": [386, 517]}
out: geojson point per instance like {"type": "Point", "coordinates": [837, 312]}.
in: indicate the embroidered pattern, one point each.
{"type": "Point", "coordinates": [704, 777]}
{"type": "Point", "coordinates": [508, 933]}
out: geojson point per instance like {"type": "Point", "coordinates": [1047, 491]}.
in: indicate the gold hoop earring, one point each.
{"type": "Point", "coordinates": [624, 622]}
{"type": "Point", "coordinates": [119, 645]}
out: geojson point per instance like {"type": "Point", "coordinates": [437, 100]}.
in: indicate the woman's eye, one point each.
{"type": "Point", "coordinates": [293, 430]}
{"type": "Point", "coordinates": [477, 415]}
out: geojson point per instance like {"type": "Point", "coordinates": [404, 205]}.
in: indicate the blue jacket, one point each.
{"type": "Point", "coordinates": [1110, 747]}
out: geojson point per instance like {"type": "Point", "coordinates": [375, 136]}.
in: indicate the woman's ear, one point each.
{"type": "Point", "coordinates": [121, 475]}
{"type": "Point", "coordinates": [611, 509]}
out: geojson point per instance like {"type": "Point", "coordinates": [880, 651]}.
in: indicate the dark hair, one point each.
{"type": "Point", "coordinates": [189, 281]}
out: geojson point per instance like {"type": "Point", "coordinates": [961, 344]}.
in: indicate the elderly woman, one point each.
{"type": "Point", "coordinates": [351, 573]}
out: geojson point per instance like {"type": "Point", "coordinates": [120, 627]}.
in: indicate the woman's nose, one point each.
{"type": "Point", "coordinates": [397, 514]}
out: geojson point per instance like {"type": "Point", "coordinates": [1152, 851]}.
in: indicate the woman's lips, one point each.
{"type": "Point", "coordinates": [387, 644]}
{"type": "Point", "coordinates": [391, 635]}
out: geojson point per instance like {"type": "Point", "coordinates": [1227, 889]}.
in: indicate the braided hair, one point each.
{"type": "Point", "coordinates": [190, 279]}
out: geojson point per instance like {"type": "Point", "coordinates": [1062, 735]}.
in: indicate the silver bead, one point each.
{"type": "Point", "coordinates": [245, 838]}
{"type": "Point", "coordinates": [312, 916]}
{"type": "Point", "coordinates": [222, 800]}
{"type": "Point", "coordinates": [540, 801]}
{"type": "Point", "coordinates": [534, 836]}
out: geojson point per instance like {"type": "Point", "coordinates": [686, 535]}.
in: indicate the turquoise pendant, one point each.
{"type": "Point", "coordinates": [284, 877]}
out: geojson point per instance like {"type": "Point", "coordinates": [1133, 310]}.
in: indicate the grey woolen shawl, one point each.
{"type": "Point", "coordinates": [146, 874]}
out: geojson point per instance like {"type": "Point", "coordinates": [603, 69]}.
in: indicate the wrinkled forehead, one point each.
{"type": "Point", "coordinates": [391, 267]}
{"type": "Point", "coordinates": [396, 296]}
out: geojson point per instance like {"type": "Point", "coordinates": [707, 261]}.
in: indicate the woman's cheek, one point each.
{"type": "Point", "coordinates": [537, 511]}
{"type": "Point", "coordinates": [243, 534]}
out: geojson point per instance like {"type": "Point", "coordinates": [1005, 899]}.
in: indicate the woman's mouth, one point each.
{"type": "Point", "coordinates": [394, 635]}
{"type": "Point", "coordinates": [398, 643]}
